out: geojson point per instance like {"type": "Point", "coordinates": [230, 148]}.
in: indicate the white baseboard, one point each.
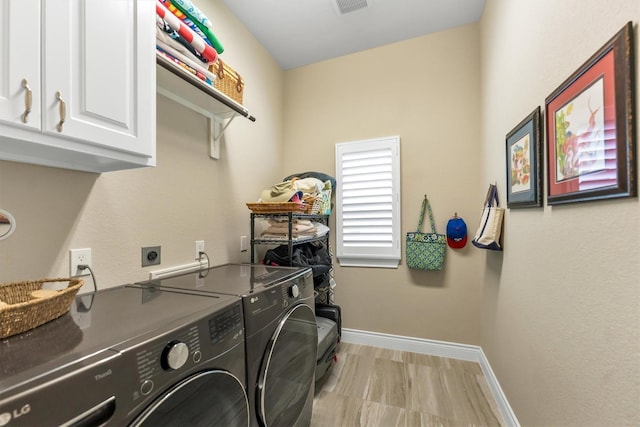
{"type": "Point", "coordinates": [466, 352]}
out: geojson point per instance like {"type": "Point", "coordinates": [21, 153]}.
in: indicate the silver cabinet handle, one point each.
{"type": "Point", "coordinates": [28, 101]}
{"type": "Point", "coordinates": [63, 111]}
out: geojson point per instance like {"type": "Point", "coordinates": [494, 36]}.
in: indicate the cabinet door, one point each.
{"type": "Point", "coordinates": [99, 56]}
{"type": "Point", "coordinates": [19, 59]}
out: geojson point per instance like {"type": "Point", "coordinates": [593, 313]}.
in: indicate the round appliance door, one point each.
{"type": "Point", "coordinates": [288, 368]}
{"type": "Point", "coordinates": [208, 398]}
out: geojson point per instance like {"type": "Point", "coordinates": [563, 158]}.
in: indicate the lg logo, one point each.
{"type": "Point", "coordinates": [6, 417]}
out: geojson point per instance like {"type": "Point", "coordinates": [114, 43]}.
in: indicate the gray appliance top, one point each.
{"type": "Point", "coordinates": [229, 279]}
{"type": "Point", "coordinates": [96, 323]}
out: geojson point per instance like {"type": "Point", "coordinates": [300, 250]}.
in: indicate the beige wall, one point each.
{"type": "Point", "coordinates": [426, 90]}
{"type": "Point", "coordinates": [561, 306]}
{"type": "Point", "coordinates": [558, 313]}
{"type": "Point", "coordinates": [187, 197]}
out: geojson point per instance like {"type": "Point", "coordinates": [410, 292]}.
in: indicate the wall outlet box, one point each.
{"type": "Point", "coordinates": [151, 255]}
{"type": "Point", "coordinates": [199, 248]}
{"type": "Point", "coordinates": [79, 257]}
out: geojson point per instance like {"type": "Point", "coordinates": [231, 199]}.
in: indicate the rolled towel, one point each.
{"type": "Point", "coordinates": [43, 293]}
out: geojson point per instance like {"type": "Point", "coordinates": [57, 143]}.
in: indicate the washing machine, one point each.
{"type": "Point", "coordinates": [281, 337]}
{"type": "Point", "coordinates": [129, 356]}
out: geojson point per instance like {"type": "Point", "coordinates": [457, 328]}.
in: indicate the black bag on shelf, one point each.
{"type": "Point", "coordinates": [312, 254]}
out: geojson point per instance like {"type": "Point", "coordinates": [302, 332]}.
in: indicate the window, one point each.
{"type": "Point", "coordinates": [368, 203]}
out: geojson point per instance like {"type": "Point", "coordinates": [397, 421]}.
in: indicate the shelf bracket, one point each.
{"type": "Point", "coordinates": [217, 126]}
{"type": "Point", "coordinates": [219, 110]}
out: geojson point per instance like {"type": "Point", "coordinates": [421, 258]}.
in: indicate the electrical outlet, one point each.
{"type": "Point", "coordinates": [199, 248]}
{"type": "Point", "coordinates": [79, 257]}
{"type": "Point", "coordinates": [151, 255]}
{"type": "Point", "coordinates": [244, 246]}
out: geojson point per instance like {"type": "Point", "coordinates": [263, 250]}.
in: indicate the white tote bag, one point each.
{"type": "Point", "coordinates": [490, 227]}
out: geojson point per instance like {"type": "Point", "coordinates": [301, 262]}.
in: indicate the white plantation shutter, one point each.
{"type": "Point", "coordinates": [368, 203]}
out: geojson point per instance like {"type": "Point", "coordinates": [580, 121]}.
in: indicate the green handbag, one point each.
{"type": "Point", "coordinates": [425, 251]}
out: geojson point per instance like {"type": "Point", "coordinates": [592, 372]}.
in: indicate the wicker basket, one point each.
{"type": "Point", "coordinates": [21, 312]}
{"type": "Point", "coordinates": [228, 80]}
{"type": "Point", "coordinates": [274, 207]}
{"type": "Point", "coordinates": [312, 204]}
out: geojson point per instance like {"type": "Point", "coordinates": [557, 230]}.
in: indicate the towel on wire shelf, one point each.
{"type": "Point", "coordinates": [298, 228]}
{"type": "Point", "coordinates": [297, 222]}
{"type": "Point", "coordinates": [316, 229]}
{"type": "Point", "coordinates": [309, 186]}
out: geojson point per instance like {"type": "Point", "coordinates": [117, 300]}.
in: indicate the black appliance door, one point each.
{"type": "Point", "coordinates": [288, 368]}
{"type": "Point", "coordinates": [208, 398]}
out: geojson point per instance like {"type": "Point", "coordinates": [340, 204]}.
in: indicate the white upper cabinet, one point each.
{"type": "Point", "coordinates": [90, 67]}
{"type": "Point", "coordinates": [20, 60]}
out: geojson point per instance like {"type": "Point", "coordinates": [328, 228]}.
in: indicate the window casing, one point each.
{"type": "Point", "coordinates": [368, 203]}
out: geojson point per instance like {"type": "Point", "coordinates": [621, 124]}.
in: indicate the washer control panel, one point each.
{"type": "Point", "coordinates": [298, 288]}
{"type": "Point", "coordinates": [224, 325]}
{"type": "Point", "coordinates": [162, 359]}
{"type": "Point", "coordinates": [174, 355]}
{"type": "Point", "coordinates": [163, 356]}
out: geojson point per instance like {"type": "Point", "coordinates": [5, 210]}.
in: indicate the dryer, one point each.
{"type": "Point", "coordinates": [281, 334]}
{"type": "Point", "coordinates": [129, 356]}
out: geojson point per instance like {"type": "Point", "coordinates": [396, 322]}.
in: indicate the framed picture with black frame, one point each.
{"type": "Point", "coordinates": [524, 166]}
{"type": "Point", "coordinates": [590, 122]}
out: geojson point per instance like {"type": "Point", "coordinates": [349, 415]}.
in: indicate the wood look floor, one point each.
{"type": "Point", "coordinates": [376, 387]}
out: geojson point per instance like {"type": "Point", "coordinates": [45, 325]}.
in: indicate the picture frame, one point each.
{"type": "Point", "coordinates": [524, 166]}
{"type": "Point", "coordinates": [590, 127]}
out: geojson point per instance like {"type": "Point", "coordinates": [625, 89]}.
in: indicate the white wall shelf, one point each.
{"type": "Point", "coordinates": [193, 93]}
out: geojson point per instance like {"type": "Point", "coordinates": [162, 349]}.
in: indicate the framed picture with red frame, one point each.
{"type": "Point", "coordinates": [590, 127]}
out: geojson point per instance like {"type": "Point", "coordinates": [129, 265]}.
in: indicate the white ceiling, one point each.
{"type": "Point", "coordinates": [301, 32]}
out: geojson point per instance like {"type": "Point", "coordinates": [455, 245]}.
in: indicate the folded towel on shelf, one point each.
{"type": "Point", "coordinates": [165, 32]}
{"type": "Point", "coordinates": [162, 50]}
{"type": "Point", "coordinates": [207, 52]}
{"type": "Point", "coordinates": [166, 44]}
{"type": "Point", "coordinates": [284, 237]}
{"type": "Point", "coordinates": [277, 222]}
{"type": "Point", "coordinates": [200, 19]}
{"type": "Point", "coordinates": [184, 18]}
{"type": "Point", "coordinates": [296, 229]}
{"type": "Point", "coordinates": [279, 233]}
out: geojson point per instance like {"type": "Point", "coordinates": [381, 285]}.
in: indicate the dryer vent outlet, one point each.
{"type": "Point", "coordinates": [151, 255]}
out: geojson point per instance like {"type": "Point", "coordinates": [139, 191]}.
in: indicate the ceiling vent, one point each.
{"type": "Point", "coordinates": [348, 6]}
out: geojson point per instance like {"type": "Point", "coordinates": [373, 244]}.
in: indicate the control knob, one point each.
{"type": "Point", "coordinates": [294, 291]}
{"type": "Point", "coordinates": [174, 355]}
